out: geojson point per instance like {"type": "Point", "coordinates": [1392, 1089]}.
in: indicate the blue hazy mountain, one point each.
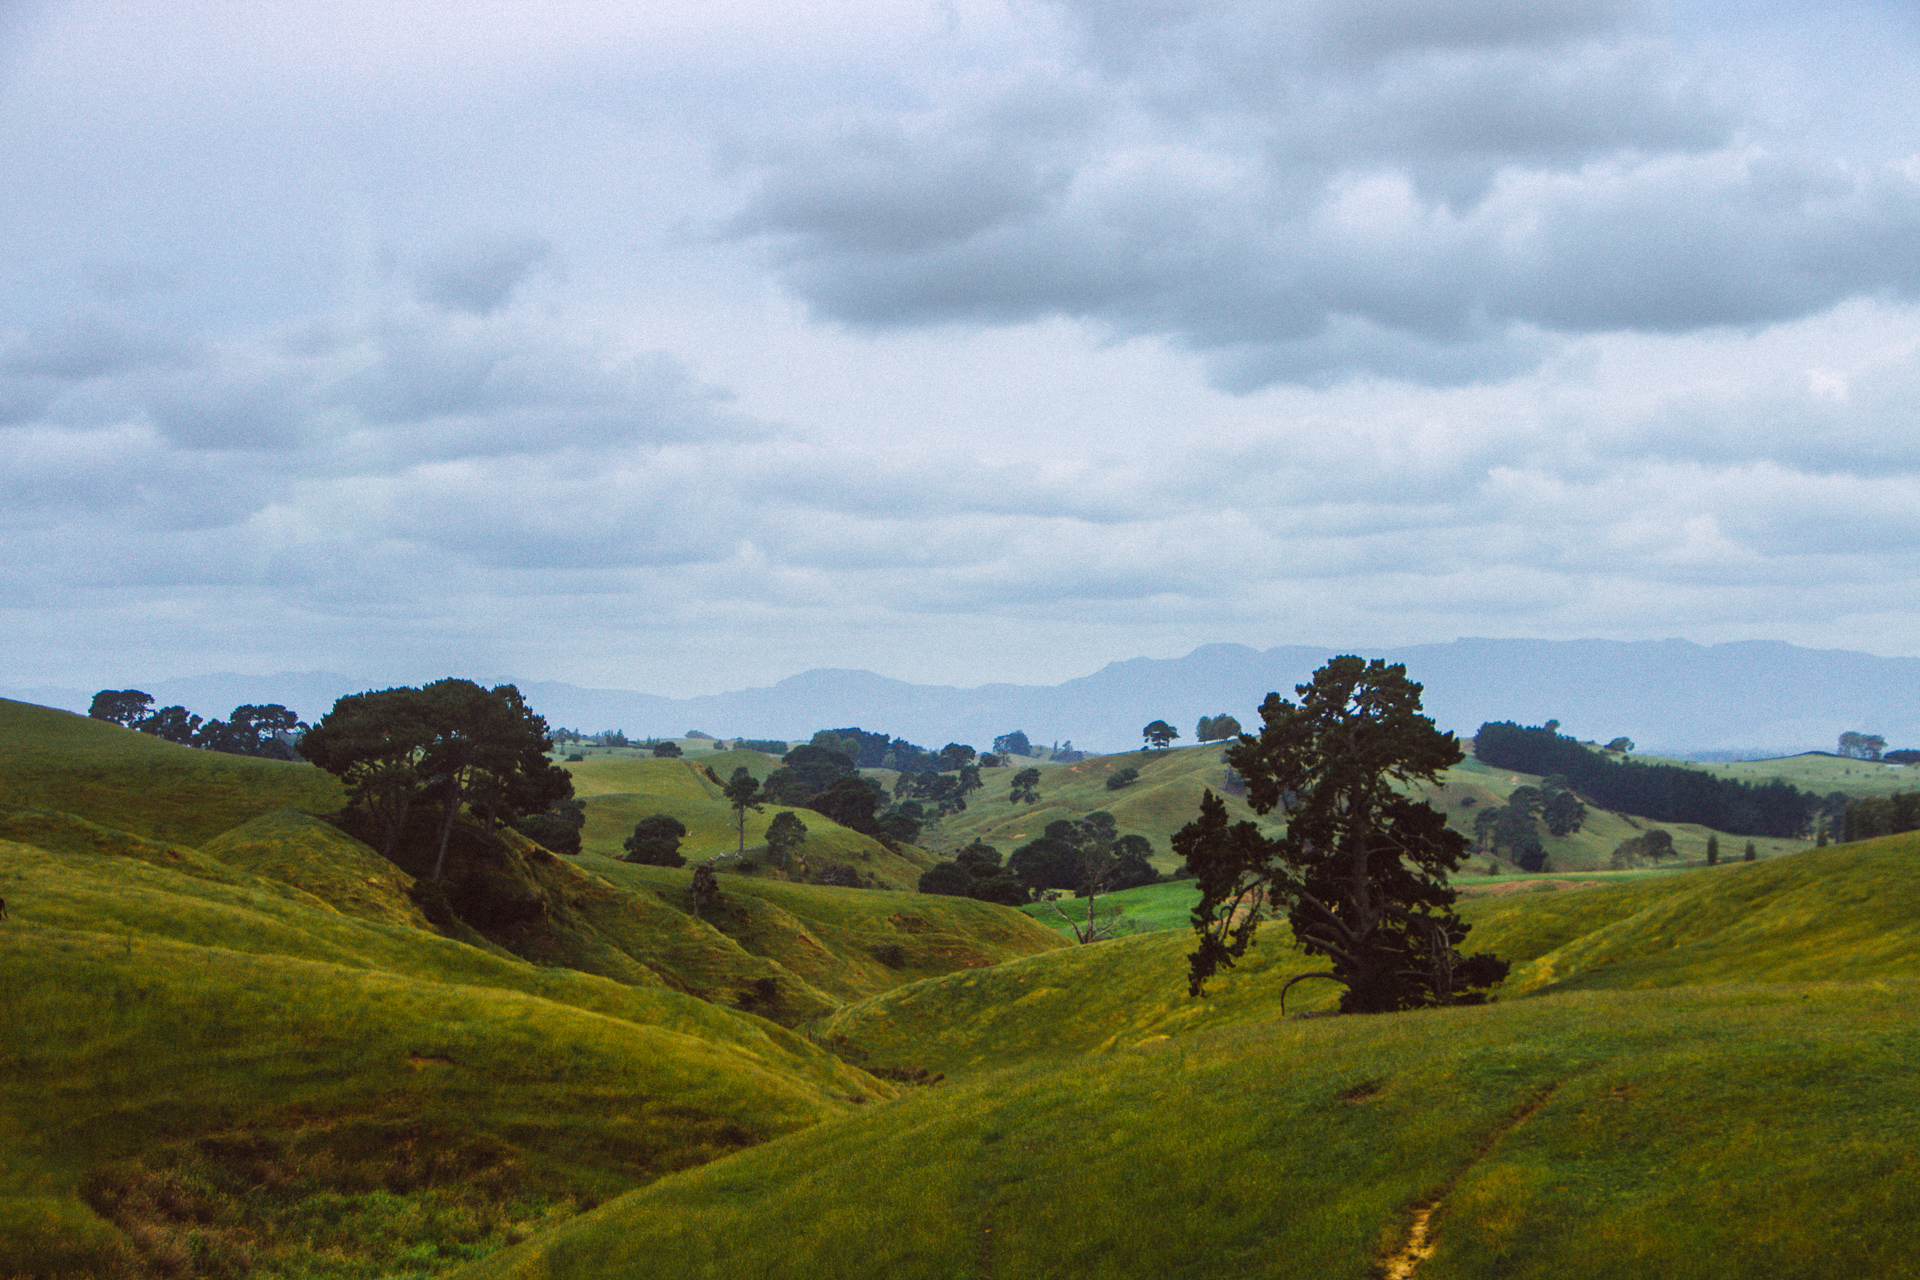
{"type": "Point", "coordinates": [1671, 696]}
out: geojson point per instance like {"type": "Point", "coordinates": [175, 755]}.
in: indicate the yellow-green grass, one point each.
{"type": "Point", "coordinates": [1815, 772]}
{"type": "Point", "coordinates": [1842, 913]}
{"type": "Point", "coordinates": [1707, 1133]}
{"type": "Point", "coordinates": [620, 792]}
{"type": "Point", "coordinates": [148, 1007]}
{"type": "Point", "coordinates": [844, 943]}
{"type": "Point", "coordinates": [53, 830]}
{"type": "Point", "coordinates": [1165, 798]}
{"type": "Point", "coordinates": [1168, 905]}
{"type": "Point", "coordinates": [307, 853]}
{"type": "Point", "coordinates": [136, 782]}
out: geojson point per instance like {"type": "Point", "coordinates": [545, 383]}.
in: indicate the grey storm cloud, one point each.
{"type": "Point", "coordinates": [1313, 191]}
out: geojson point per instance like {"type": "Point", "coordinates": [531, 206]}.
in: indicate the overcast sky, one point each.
{"type": "Point", "coordinates": [681, 347]}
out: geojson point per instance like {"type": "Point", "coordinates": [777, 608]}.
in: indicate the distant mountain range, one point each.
{"type": "Point", "coordinates": [1670, 696]}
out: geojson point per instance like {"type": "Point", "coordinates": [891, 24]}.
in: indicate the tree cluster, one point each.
{"type": "Point", "coordinates": [1665, 793]}
{"type": "Point", "coordinates": [1881, 816]}
{"type": "Point", "coordinates": [1121, 779]}
{"type": "Point", "coordinates": [975, 872]}
{"type": "Point", "coordinates": [1012, 744]}
{"type": "Point", "coordinates": [450, 743]}
{"type": "Point", "coordinates": [1862, 746]}
{"type": "Point", "coordinates": [1651, 846]}
{"type": "Point", "coordinates": [1513, 830]}
{"type": "Point", "coordinates": [1216, 728]}
{"type": "Point", "coordinates": [655, 841]}
{"type": "Point", "coordinates": [1084, 856]}
{"type": "Point", "coordinates": [1361, 869]}
{"type": "Point", "coordinates": [270, 731]}
{"type": "Point", "coordinates": [1159, 735]}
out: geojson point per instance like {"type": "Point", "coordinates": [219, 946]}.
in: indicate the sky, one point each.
{"type": "Point", "coordinates": [681, 347]}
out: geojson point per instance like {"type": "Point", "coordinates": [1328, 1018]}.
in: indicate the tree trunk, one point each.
{"type": "Point", "coordinates": [446, 825]}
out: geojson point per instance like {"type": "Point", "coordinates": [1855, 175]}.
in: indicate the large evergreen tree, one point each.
{"type": "Point", "coordinates": [1361, 868]}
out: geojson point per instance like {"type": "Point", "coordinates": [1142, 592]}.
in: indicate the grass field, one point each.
{"type": "Point", "coordinates": [239, 1049]}
{"type": "Point", "coordinates": [1679, 1094]}
{"type": "Point", "coordinates": [234, 1047]}
{"type": "Point", "coordinates": [622, 788]}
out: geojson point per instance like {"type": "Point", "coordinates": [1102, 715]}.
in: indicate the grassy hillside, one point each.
{"type": "Point", "coordinates": [56, 760]}
{"type": "Point", "coordinates": [256, 1056]}
{"type": "Point", "coordinates": [620, 790]}
{"type": "Point", "coordinates": [843, 943]}
{"type": "Point", "coordinates": [1164, 799]}
{"type": "Point", "coordinates": [1696, 1129]}
{"type": "Point", "coordinates": [163, 1022]}
{"type": "Point", "coordinates": [1596, 1134]}
{"type": "Point", "coordinates": [1817, 772]}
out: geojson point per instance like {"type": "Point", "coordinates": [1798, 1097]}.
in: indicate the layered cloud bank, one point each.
{"type": "Point", "coordinates": [688, 349]}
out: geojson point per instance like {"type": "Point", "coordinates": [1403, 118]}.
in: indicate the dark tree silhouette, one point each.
{"type": "Point", "coordinates": [1360, 867]}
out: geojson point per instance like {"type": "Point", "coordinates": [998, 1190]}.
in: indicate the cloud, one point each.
{"type": "Point", "coordinates": [1315, 191]}
{"type": "Point", "coordinates": [479, 278]}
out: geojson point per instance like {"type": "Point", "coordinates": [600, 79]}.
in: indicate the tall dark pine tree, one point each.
{"type": "Point", "coordinates": [1361, 868]}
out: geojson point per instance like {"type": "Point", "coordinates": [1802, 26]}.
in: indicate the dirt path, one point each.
{"type": "Point", "coordinates": [1403, 1263]}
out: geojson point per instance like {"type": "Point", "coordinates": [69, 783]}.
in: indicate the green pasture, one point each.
{"type": "Point", "coordinates": [55, 760]}
{"type": "Point", "coordinates": [1729, 1132]}
{"type": "Point", "coordinates": [234, 1046]}
{"type": "Point", "coordinates": [619, 791]}
{"type": "Point", "coordinates": [1817, 772]}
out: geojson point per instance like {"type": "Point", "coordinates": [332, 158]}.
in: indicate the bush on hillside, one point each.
{"type": "Point", "coordinates": [558, 828]}
{"type": "Point", "coordinates": [655, 841]}
{"type": "Point", "coordinates": [1123, 779]}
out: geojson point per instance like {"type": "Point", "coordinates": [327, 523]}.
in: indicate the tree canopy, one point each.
{"type": "Point", "coordinates": [1360, 868]}
{"type": "Point", "coordinates": [1160, 734]}
{"type": "Point", "coordinates": [1216, 728]}
{"type": "Point", "coordinates": [655, 841]}
{"type": "Point", "coordinates": [450, 741]}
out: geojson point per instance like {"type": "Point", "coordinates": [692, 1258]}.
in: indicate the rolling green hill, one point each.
{"type": "Point", "coordinates": [240, 1043]}
{"type": "Point", "coordinates": [58, 761]}
{"type": "Point", "coordinates": [1693, 1129]}
{"type": "Point", "coordinates": [236, 1045]}
{"type": "Point", "coordinates": [620, 790]}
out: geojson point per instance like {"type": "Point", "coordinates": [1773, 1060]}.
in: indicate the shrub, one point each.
{"type": "Point", "coordinates": [1122, 779]}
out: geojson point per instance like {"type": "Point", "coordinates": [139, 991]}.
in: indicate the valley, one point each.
{"type": "Point", "coordinates": [241, 1043]}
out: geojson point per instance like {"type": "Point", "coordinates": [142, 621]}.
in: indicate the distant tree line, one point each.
{"type": "Point", "coordinates": [270, 732]}
{"type": "Point", "coordinates": [1665, 793]}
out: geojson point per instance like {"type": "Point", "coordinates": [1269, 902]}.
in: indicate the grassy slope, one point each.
{"type": "Point", "coordinates": [303, 851]}
{"type": "Point", "coordinates": [620, 790]}
{"type": "Point", "coordinates": [1706, 1133]}
{"type": "Point", "coordinates": [273, 991]}
{"type": "Point", "coordinates": [1163, 800]}
{"type": "Point", "coordinates": [56, 760]}
{"type": "Point", "coordinates": [1742, 1121]}
{"type": "Point", "coordinates": [1820, 774]}
{"type": "Point", "coordinates": [839, 942]}
{"type": "Point", "coordinates": [126, 981]}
